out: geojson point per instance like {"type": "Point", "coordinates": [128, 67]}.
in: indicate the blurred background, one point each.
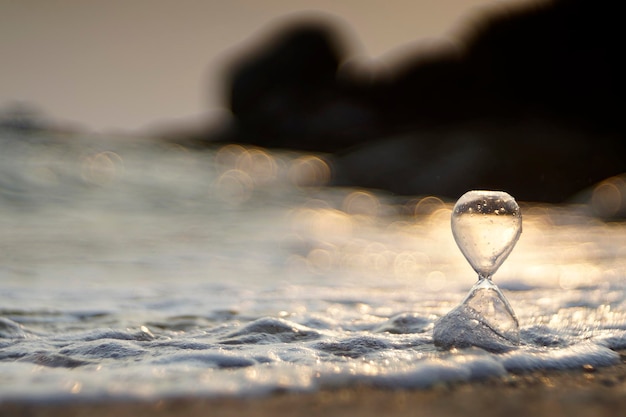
{"type": "Point", "coordinates": [414, 98]}
{"type": "Point", "coordinates": [128, 64]}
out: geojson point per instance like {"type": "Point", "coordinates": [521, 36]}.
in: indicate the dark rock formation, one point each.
{"type": "Point", "coordinates": [288, 96]}
{"type": "Point", "coordinates": [530, 101]}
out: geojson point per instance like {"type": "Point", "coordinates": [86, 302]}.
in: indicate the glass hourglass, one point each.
{"type": "Point", "coordinates": [485, 225]}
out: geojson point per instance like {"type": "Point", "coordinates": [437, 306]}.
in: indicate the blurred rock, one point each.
{"type": "Point", "coordinates": [22, 116]}
{"type": "Point", "coordinates": [287, 95]}
{"type": "Point", "coordinates": [28, 121]}
{"type": "Point", "coordinates": [529, 101]}
{"type": "Point", "coordinates": [531, 159]}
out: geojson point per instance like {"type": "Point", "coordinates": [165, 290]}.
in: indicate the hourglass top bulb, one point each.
{"type": "Point", "coordinates": [486, 225]}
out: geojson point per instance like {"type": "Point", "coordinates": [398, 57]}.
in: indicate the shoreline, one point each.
{"type": "Point", "coordinates": [580, 392]}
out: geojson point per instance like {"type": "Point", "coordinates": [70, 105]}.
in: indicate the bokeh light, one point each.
{"type": "Point", "coordinates": [608, 199]}
{"type": "Point", "coordinates": [234, 186]}
{"type": "Point", "coordinates": [102, 168]}
{"type": "Point", "coordinates": [309, 171]}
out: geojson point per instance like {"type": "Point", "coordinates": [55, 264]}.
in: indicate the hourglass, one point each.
{"type": "Point", "coordinates": [485, 225]}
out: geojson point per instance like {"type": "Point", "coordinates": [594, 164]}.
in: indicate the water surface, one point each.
{"type": "Point", "coordinates": [131, 269]}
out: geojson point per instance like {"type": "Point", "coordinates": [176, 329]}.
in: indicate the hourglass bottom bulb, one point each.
{"type": "Point", "coordinates": [484, 319]}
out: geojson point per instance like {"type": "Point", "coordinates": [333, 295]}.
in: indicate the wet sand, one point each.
{"type": "Point", "coordinates": [581, 392]}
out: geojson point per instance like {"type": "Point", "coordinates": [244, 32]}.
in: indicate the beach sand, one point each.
{"type": "Point", "coordinates": [582, 392]}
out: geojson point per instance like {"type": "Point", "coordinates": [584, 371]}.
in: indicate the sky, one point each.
{"type": "Point", "coordinates": [130, 64]}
